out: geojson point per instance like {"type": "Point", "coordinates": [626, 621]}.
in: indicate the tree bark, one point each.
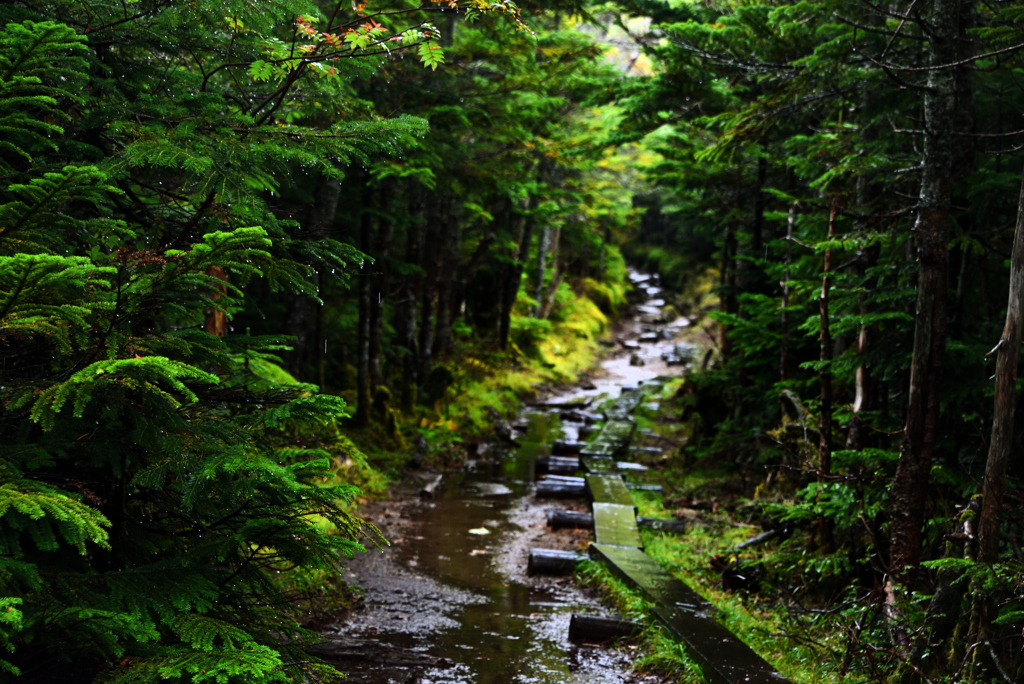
{"type": "Point", "coordinates": [216, 321]}
{"type": "Point", "coordinates": [1007, 354]}
{"type": "Point", "coordinates": [910, 485]}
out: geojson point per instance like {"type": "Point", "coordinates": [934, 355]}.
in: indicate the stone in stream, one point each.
{"type": "Point", "coordinates": [649, 337]}
{"type": "Point", "coordinates": [629, 344]}
{"type": "Point", "coordinates": [635, 360]}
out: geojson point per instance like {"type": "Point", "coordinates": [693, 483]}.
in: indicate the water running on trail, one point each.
{"type": "Point", "coordinates": [454, 583]}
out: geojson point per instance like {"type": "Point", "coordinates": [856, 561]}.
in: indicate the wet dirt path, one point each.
{"type": "Point", "coordinates": [454, 584]}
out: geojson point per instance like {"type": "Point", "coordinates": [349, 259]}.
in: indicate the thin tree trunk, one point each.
{"type": "Point", "coordinates": [784, 343]}
{"type": "Point", "coordinates": [446, 290]}
{"type": "Point", "coordinates": [548, 301]}
{"type": "Point", "coordinates": [1008, 351]}
{"type": "Point", "coordinates": [407, 315]}
{"type": "Point", "coordinates": [910, 485]}
{"type": "Point", "coordinates": [825, 355]}
{"type": "Point", "coordinates": [428, 299]}
{"type": "Point", "coordinates": [760, 203]}
{"type": "Point", "coordinates": [363, 394]}
{"type": "Point", "coordinates": [542, 255]}
{"type": "Point", "coordinates": [728, 296]}
{"type": "Point", "coordinates": [514, 278]}
{"type": "Point", "coordinates": [304, 313]}
{"type": "Point", "coordinates": [379, 291]}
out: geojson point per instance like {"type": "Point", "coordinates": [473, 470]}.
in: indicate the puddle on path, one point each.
{"type": "Point", "coordinates": [446, 588]}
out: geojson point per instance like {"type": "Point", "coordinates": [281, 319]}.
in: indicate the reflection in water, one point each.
{"type": "Point", "coordinates": [464, 597]}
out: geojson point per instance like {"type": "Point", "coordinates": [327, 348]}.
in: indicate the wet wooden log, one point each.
{"type": "Point", "coordinates": [598, 629]}
{"type": "Point", "coordinates": [371, 650]}
{"type": "Point", "coordinates": [567, 479]}
{"type": "Point", "coordinates": [561, 448]}
{"type": "Point", "coordinates": [430, 489]}
{"type": "Point", "coordinates": [554, 489]}
{"type": "Point", "coordinates": [558, 464]}
{"type": "Point", "coordinates": [561, 519]}
{"type": "Point", "coordinates": [551, 562]}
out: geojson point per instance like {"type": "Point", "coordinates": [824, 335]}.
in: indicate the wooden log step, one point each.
{"type": "Point", "coordinates": [650, 451]}
{"type": "Point", "coordinates": [641, 571]}
{"type": "Point", "coordinates": [616, 525]}
{"type": "Point", "coordinates": [586, 417]}
{"type": "Point", "coordinates": [558, 464]}
{"type": "Point", "coordinates": [559, 490]}
{"type": "Point", "coordinates": [597, 464]}
{"type": "Point", "coordinates": [551, 562]}
{"type": "Point", "coordinates": [561, 519]}
{"type": "Point", "coordinates": [600, 629]}
{"type": "Point", "coordinates": [608, 489]}
{"type": "Point", "coordinates": [567, 479]}
{"type": "Point", "coordinates": [572, 404]}
{"type": "Point", "coordinates": [567, 448]}
{"type": "Point", "coordinates": [656, 488]}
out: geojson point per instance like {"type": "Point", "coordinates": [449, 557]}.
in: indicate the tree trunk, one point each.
{"type": "Point", "coordinates": [216, 321]}
{"type": "Point", "coordinates": [363, 394]}
{"type": "Point", "coordinates": [910, 486]}
{"type": "Point", "coordinates": [1007, 353]}
{"type": "Point", "coordinates": [784, 342]}
{"type": "Point", "coordinates": [825, 356]}
{"type": "Point", "coordinates": [303, 318]}
{"type": "Point", "coordinates": [542, 255]}
{"type": "Point", "coordinates": [379, 290]}
{"type": "Point", "coordinates": [548, 302]}
{"type": "Point", "coordinates": [514, 273]}
{"type": "Point", "coordinates": [446, 312]}
{"type": "Point", "coordinates": [407, 315]}
{"type": "Point", "coordinates": [428, 298]}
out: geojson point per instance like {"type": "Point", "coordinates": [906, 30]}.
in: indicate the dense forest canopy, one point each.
{"type": "Point", "coordinates": [245, 246]}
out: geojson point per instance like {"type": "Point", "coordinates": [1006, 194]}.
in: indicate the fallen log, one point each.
{"type": "Point", "coordinates": [598, 629]}
{"type": "Point", "coordinates": [551, 562]}
{"type": "Point", "coordinates": [561, 519]}
{"type": "Point", "coordinates": [371, 650]}
{"type": "Point", "coordinates": [430, 489]}
{"type": "Point", "coordinates": [547, 489]}
{"type": "Point", "coordinates": [657, 489]}
{"type": "Point", "coordinates": [574, 404]}
{"type": "Point", "coordinates": [565, 479]}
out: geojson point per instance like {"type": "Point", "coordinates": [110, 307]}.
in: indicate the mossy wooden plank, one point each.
{"type": "Point", "coordinates": [597, 464]}
{"type": "Point", "coordinates": [637, 568]}
{"type": "Point", "coordinates": [722, 657]}
{"type": "Point", "coordinates": [616, 525]}
{"type": "Point", "coordinates": [608, 489]}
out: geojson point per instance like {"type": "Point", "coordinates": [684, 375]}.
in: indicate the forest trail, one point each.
{"type": "Point", "coordinates": [454, 587]}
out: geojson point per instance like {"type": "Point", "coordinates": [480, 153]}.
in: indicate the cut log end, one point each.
{"type": "Point", "coordinates": [551, 562]}
{"type": "Point", "coordinates": [599, 629]}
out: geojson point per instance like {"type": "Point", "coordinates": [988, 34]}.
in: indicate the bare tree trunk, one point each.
{"type": "Point", "coordinates": [446, 312]}
{"type": "Point", "coordinates": [407, 315]}
{"type": "Point", "coordinates": [1008, 351]}
{"type": "Point", "coordinates": [825, 355]}
{"type": "Point", "coordinates": [428, 299]}
{"type": "Point", "coordinates": [548, 302]}
{"type": "Point", "coordinates": [910, 485]}
{"type": "Point", "coordinates": [514, 277]}
{"type": "Point", "coordinates": [363, 393]}
{"type": "Point", "coordinates": [542, 255]}
{"type": "Point", "coordinates": [216, 321]}
{"type": "Point", "coordinates": [303, 318]}
{"type": "Point", "coordinates": [381, 283]}
{"type": "Point", "coordinates": [784, 343]}
{"type": "Point", "coordinates": [728, 280]}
